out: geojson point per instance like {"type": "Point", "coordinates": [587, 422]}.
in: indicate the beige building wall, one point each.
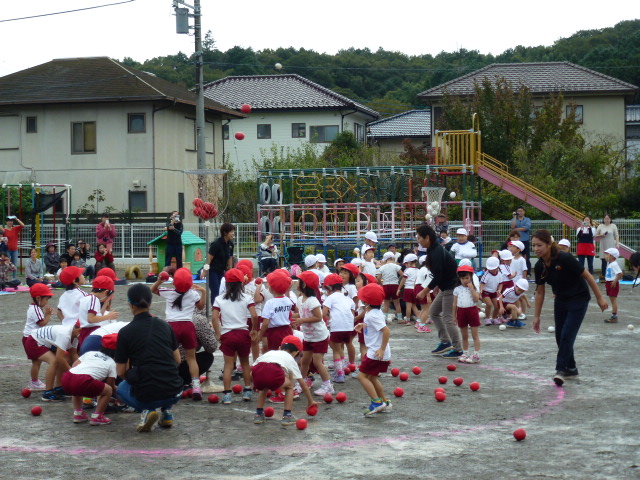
{"type": "Point", "coordinates": [603, 117]}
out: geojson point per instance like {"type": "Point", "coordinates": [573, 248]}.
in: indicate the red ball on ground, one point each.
{"type": "Point", "coordinates": [404, 376]}
{"type": "Point", "coordinates": [312, 411]}
{"type": "Point", "coordinates": [441, 396]}
{"type": "Point", "coordinates": [237, 388]}
{"type": "Point", "coordinates": [203, 378]}
{"type": "Point", "coordinates": [190, 393]}
{"type": "Point", "coordinates": [443, 379]}
{"type": "Point", "coordinates": [417, 370]}
{"type": "Point", "coordinates": [520, 434]}
{"type": "Point", "coordinates": [26, 393]}
{"type": "Point", "coordinates": [342, 397]}
{"type": "Point", "coordinates": [452, 367]}
{"type": "Point", "coordinates": [279, 391]}
{"type": "Point", "coordinates": [328, 398]}
{"type": "Point", "coordinates": [458, 381]}
{"type": "Point", "coordinates": [246, 108]}
{"type": "Point", "coordinates": [347, 371]}
{"type": "Point", "coordinates": [37, 410]}
{"type": "Point", "coordinates": [475, 386]}
{"type": "Point", "coordinates": [239, 136]}
{"type": "Point", "coordinates": [213, 398]}
{"type": "Point", "coordinates": [353, 367]}
{"type": "Point", "coordinates": [269, 411]}
{"type": "Point", "coordinates": [301, 424]}
{"type": "Point", "coordinates": [269, 393]}
{"type": "Point", "coordinates": [395, 372]}
{"type": "Point", "coordinates": [398, 392]}
{"type": "Point", "coordinates": [439, 389]}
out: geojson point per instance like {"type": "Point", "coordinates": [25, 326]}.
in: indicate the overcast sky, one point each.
{"type": "Point", "coordinates": [144, 29]}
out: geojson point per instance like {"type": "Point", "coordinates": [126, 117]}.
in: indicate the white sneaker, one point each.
{"type": "Point", "coordinates": [324, 389]}
{"type": "Point", "coordinates": [37, 385]}
{"type": "Point", "coordinates": [464, 358]}
{"type": "Point", "coordinates": [475, 358]}
{"type": "Point", "coordinates": [522, 316]}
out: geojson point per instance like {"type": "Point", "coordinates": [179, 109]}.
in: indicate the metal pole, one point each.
{"type": "Point", "coordinates": [200, 120]}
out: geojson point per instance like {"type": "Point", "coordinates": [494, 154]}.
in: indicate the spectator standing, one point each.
{"type": "Point", "coordinates": [106, 232]}
{"type": "Point", "coordinates": [586, 249]}
{"type": "Point", "coordinates": [268, 255]}
{"type": "Point", "coordinates": [174, 230]}
{"type": "Point", "coordinates": [12, 233]}
{"type": "Point", "coordinates": [522, 224]}
{"type": "Point", "coordinates": [219, 258]}
{"type": "Point", "coordinates": [607, 236]}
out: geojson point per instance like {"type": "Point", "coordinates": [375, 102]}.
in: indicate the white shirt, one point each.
{"type": "Point", "coordinates": [369, 267]}
{"type": "Point", "coordinates": [320, 274]}
{"type": "Point", "coordinates": [233, 315]}
{"type": "Point", "coordinates": [518, 266]}
{"type": "Point", "coordinates": [491, 282]}
{"type": "Point", "coordinates": [266, 295]}
{"type": "Point", "coordinates": [410, 273]}
{"type": "Point", "coordinates": [613, 269]}
{"type": "Point", "coordinates": [465, 297]}
{"type": "Point", "coordinates": [69, 305]}
{"type": "Point", "coordinates": [505, 271]}
{"type": "Point", "coordinates": [174, 314]}
{"type": "Point", "coordinates": [96, 364]}
{"type": "Point", "coordinates": [35, 315]}
{"type": "Point", "coordinates": [223, 286]}
{"type": "Point", "coordinates": [113, 327]}
{"type": "Point", "coordinates": [278, 311]}
{"type": "Point", "coordinates": [424, 276]}
{"type": "Point", "coordinates": [282, 358]}
{"type": "Point", "coordinates": [464, 250]}
{"type": "Point", "coordinates": [341, 310]}
{"type": "Point", "coordinates": [374, 323]}
{"type": "Point", "coordinates": [90, 304]}
{"type": "Point", "coordinates": [325, 270]}
{"type": "Point", "coordinates": [389, 273]}
{"type": "Point", "coordinates": [351, 289]}
{"type": "Point", "coordinates": [55, 336]}
{"type": "Point", "coordinates": [510, 295]}
{"type": "Point", "coordinates": [316, 331]}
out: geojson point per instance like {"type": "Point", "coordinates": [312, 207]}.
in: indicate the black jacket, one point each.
{"type": "Point", "coordinates": [174, 237]}
{"type": "Point", "coordinates": [443, 268]}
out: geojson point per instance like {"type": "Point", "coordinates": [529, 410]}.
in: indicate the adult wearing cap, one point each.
{"type": "Point", "coordinates": [147, 357]}
{"type": "Point", "coordinates": [522, 225]}
{"type": "Point", "coordinates": [106, 232]}
{"type": "Point", "coordinates": [69, 301]}
{"type": "Point", "coordinates": [276, 313]}
{"type": "Point", "coordinates": [444, 270]}
{"type": "Point", "coordinates": [570, 283]}
{"type": "Point", "coordinates": [219, 258]}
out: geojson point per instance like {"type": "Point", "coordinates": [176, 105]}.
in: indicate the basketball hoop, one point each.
{"type": "Point", "coordinates": [433, 198]}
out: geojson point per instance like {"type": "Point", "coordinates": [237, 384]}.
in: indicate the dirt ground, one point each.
{"type": "Point", "coordinates": [589, 428]}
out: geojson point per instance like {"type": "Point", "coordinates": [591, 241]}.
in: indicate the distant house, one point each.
{"type": "Point", "coordinates": [599, 100]}
{"type": "Point", "coordinates": [389, 133]}
{"type": "Point", "coordinates": [287, 111]}
{"type": "Point", "coordinates": [95, 123]}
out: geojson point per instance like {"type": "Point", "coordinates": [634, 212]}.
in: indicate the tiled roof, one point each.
{"type": "Point", "coordinates": [279, 92]}
{"type": "Point", "coordinates": [541, 78]}
{"type": "Point", "coordinates": [414, 123]}
{"type": "Point", "coordinates": [93, 79]}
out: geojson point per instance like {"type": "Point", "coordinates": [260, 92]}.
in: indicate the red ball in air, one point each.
{"type": "Point", "coordinates": [239, 136]}
{"type": "Point", "coordinates": [246, 108]}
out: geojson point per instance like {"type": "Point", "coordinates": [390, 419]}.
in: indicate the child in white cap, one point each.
{"type": "Point", "coordinates": [367, 264]}
{"type": "Point", "coordinates": [311, 262]}
{"type": "Point", "coordinates": [519, 269]}
{"type": "Point", "coordinates": [612, 278]}
{"type": "Point", "coordinates": [564, 245]}
{"type": "Point", "coordinates": [508, 302]}
{"type": "Point", "coordinates": [489, 283]}
{"type": "Point", "coordinates": [322, 264]}
{"type": "Point", "coordinates": [463, 248]}
{"type": "Point", "coordinates": [389, 277]}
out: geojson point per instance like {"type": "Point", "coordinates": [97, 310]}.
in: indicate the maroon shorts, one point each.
{"type": "Point", "coordinates": [341, 337]}
{"type": "Point", "coordinates": [390, 292]}
{"type": "Point", "coordinates": [507, 284]}
{"type": "Point", "coordinates": [81, 385]}
{"type": "Point", "coordinates": [275, 336]}
{"type": "Point", "coordinates": [611, 291]}
{"type": "Point", "coordinates": [409, 295]}
{"type": "Point", "coordinates": [33, 350]}
{"type": "Point", "coordinates": [490, 295]}
{"type": "Point", "coordinates": [468, 317]}
{"type": "Point", "coordinates": [373, 367]}
{"type": "Point", "coordinates": [236, 341]}
{"type": "Point", "coordinates": [316, 347]}
{"type": "Point", "coordinates": [267, 376]}
{"type": "Point", "coordinates": [84, 333]}
{"type": "Point", "coordinates": [186, 334]}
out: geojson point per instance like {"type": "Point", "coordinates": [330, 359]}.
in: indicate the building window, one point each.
{"type": "Point", "coordinates": [137, 123]}
{"type": "Point", "coordinates": [264, 131]}
{"type": "Point", "coordinates": [32, 124]}
{"type": "Point", "coordinates": [358, 131]}
{"type": "Point", "coordinates": [298, 130]}
{"type": "Point", "coordinates": [225, 132]}
{"type": "Point", "coordinates": [137, 201]}
{"type": "Point", "coordinates": [323, 133]}
{"type": "Point", "coordinates": [83, 137]}
{"type": "Point", "coordinates": [578, 112]}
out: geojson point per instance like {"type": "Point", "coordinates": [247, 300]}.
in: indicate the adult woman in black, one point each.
{"type": "Point", "coordinates": [219, 258]}
{"type": "Point", "coordinates": [570, 283]}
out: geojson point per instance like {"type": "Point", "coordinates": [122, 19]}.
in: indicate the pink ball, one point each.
{"type": "Point", "coordinates": [328, 398]}
{"type": "Point", "coordinates": [203, 378]}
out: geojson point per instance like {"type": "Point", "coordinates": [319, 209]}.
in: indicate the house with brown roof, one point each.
{"type": "Point", "coordinates": [287, 111]}
{"type": "Point", "coordinates": [94, 123]}
{"type": "Point", "coordinates": [389, 134]}
{"type": "Point", "coordinates": [599, 100]}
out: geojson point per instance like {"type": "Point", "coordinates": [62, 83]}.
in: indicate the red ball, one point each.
{"type": "Point", "coordinates": [452, 367]}
{"type": "Point", "coordinates": [269, 393]}
{"type": "Point", "coordinates": [443, 380]}
{"type": "Point", "coordinates": [353, 367]}
{"type": "Point", "coordinates": [475, 386]}
{"type": "Point", "coordinates": [190, 393]}
{"type": "Point", "coordinates": [395, 372]}
{"type": "Point", "coordinates": [342, 397]}
{"type": "Point", "coordinates": [312, 411]}
{"type": "Point", "coordinates": [301, 424]}
{"type": "Point", "coordinates": [398, 392]}
{"type": "Point", "coordinates": [237, 388]}
{"type": "Point", "coordinates": [239, 136]}
{"type": "Point", "coordinates": [441, 396]}
{"type": "Point", "coordinates": [203, 378]}
{"type": "Point", "coordinates": [259, 281]}
{"type": "Point", "coordinates": [458, 381]}
{"type": "Point", "coordinates": [328, 398]}
{"type": "Point", "coordinates": [164, 276]}
{"type": "Point", "coordinates": [439, 389]}
{"type": "Point", "coordinates": [184, 394]}
{"type": "Point", "coordinates": [520, 434]}
{"type": "Point", "coordinates": [269, 411]}
{"type": "Point", "coordinates": [404, 376]}
{"type": "Point", "coordinates": [246, 108]}
{"type": "Point", "coordinates": [347, 371]}
{"type": "Point", "coordinates": [36, 411]}
{"type": "Point", "coordinates": [417, 370]}
{"type": "Point", "coordinates": [213, 398]}
{"type": "Point", "coordinates": [26, 393]}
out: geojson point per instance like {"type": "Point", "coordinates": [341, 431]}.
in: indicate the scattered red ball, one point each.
{"type": "Point", "coordinates": [36, 411]}
{"type": "Point", "coordinates": [398, 392]}
{"type": "Point", "coordinates": [246, 108]}
{"type": "Point", "coordinates": [239, 136]}
{"type": "Point", "coordinates": [439, 389]}
{"type": "Point", "coordinates": [404, 376]}
{"type": "Point", "coordinates": [452, 367]}
{"type": "Point", "coordinates": [237, 388]}
{"type": "Point", "coordinates": [353, 367]}
{"type": "Point", "coordinates": [26, 393]}
{"type": "Point", "coordinates": [203, 378]}
{"type": "Point", "coordinates": [312, 411]}
{"type": "Point", "coordinates": [301, 424]}
{"type": "Point", "coordinates": [328, 398]}
{"type": "Point", "coordinates": [520, 434]}
{"type": "Point", "coordinates": [213, 398]}
{"type": "Point", "coordinates": [269, 393]}
{"type": "Point", "coordinates": [395, 372]}
{"type": "Point", "coordinates": [475, 386]}
{"type": "Point", "coordinates": [417, 370]}
{"type": "Point", "coordinates": [443, 379]}
{"type": "Point", "coordinates": [347, 371]}
{"type": "Point", "coordinates": [269, 411]}
{"type": "Point", "coordinates": [458, 381]}
{"type": "Point", "coordinates": [441, 396]}
{"type": "Point", "coordinates": [342, 397]}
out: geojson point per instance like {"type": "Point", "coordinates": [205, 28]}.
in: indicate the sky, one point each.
{"type": "Point", "coordinates": [143, 29]}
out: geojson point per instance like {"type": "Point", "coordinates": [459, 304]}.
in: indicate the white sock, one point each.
{"type": "Point", "coordinates": [195, 382]}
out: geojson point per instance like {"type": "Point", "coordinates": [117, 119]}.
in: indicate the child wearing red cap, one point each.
{"type": "Point", "coordinates": [465, 311]}
{"type": "Point", "coordinates": [378, 357]}
{"type": "Point", "coordinates": [94, 308]}
{"type": "Point", "coordinates": [339, 309]}
{"type": "Point", "coordinates": [276, 313]}
{"type": "Point", "coordinates": [93, 375]}
{"type": "Point", "coordinates": [38, 316]}
{"type": "Point", "coordinates": [278, 369]}
{"type": "Point", "coordinates": [230, 313]}
{"type": "Point", "coordinates": [349, 272]}
{"type": "Point", "coordinates": [181, 302]}
{"type": "Point", "coordinates": [69, 301]}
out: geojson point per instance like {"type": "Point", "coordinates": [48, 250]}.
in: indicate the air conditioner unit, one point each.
{"type": "Point", "coordinates": [136, 183]}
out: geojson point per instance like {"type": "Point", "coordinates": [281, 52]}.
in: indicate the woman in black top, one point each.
{"type": "Point", "coordinates": [570, 284]}
{"type": "Point", "coordinates": [219, 258]}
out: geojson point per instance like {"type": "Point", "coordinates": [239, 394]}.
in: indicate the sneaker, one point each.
{"type": "Point", "coordinates": [571, 374]}
{"type": "Point", "coordinates": [247, 394]}
{"type": "Point", "coordinates": [196, 394]}
{"type": "Point", "coordinates": [288, 420]}
{"type": "Point", "coordinates": [464, 357]}
{"type": "Point", "coordinates": [37, 385]}
{"type": "Point", "coordinates": [259, 418]}
{"type": "Point", "coordinates": [375, 408]}
{"type": "Point", "coordinates": [441, 348]}
{"type": "Point", "coordinates": [227, 399]}
{"type": "Point", "coordinates": [51, 396]}
{"type": "Point", "coordinates": [80, 418]}
{"type": "Point", "coordinates": [522, 316]}
{"type": "Point", "coordinates": [166, 419]}
{"type": "Point", "coordinates": [511, 324]}
{"type": "Point", "coordinates": [339, 378]}
{"type": "Point", "coordinates": [496, 321]}
{"type": "Point", "coordinates": [475, 358]}
{"type": "Point", "coordinates": [147, 420]}
{"type": "Point", "coordinates": [324, 389]}
{"type": "Point", "coordinates": [520, 324]}
{"type": "Point", "coordinates": [309, 382]}
{"type": "Point", "coordinates": [423, 328]}
{"type": "Point", "coordinates": [558, 378]}
{"type": "Point", "coordinates": [99, 419]}
{"type": "Point", "coordinates": [488, 322]}
{"type": "Point", "coordinates": [279, 398]}
{"type": "Point", "coordinates": [297, 390]}
{"type": "Point", "coordinates": [453, 354]}
{"type": "Point", "coordinates": [612, 319]}
{"type": "Point", "coordinates": [388, 406]}
{"type": "Point", "coordinates": [60, 392]}
{"type": "Point", "coordinates": [354, 374]}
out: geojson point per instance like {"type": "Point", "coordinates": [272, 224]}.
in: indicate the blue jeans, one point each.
{"type": "Point", "coordinates": [589, 262]}
{"type": "Point", "coordinates": [13, 256]}
{"type": "Point", "coordinates": [124, 394]}
{"type": "Point", "coordinates": [568, 317]}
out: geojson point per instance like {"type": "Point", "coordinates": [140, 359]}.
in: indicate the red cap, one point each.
{"type": "Point", "coordinates": [245, 262]}
{"type": "Point", "coordinates": [310, 279]}
{"type": "Point", "coordinates": [465, 268]}
{"type": "Point", "coordinates": [182, 280]}
{"type": "Point", "coordinates": [373, 294]}
{"type": "Point", "coordinates": [333, 279]}
{"type": "Point", "coordinates": [69, 275]}
{"type": "Point", "coordinates": [352, 268]}
{"type": "Point", "coordinates": [108, 272]}
{"type": "Point", "coordinates": [370, 278]}
{"type": "Point", "coordinates": [279, 282]}
{"type": "Point", "coordinates": [234, 275]}
{"type": "Point", "coordinates": [110, 341]}
{"type": "Point", "coordinates": [40, 290]}
{"type": "Point", "coordinates": [104, 283]}
{"type": "Point", "coordinates": [293, 340]}
{"type": "Point", "coordinates": [246, 270]}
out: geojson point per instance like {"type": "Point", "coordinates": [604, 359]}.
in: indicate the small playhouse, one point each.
{"type": "Point", "coordinates": [194, 251]}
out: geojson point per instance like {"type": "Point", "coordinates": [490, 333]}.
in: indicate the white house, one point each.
{"type": "Point", "coordinates": [389, 133]}
{"type": "Point", "coordinates": [94, 123]}
{"type": "Point", "coordinates": [287, 111]}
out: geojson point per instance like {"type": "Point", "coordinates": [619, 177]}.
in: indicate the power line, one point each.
{"type": "Point", "coordinates": [66, 11]}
